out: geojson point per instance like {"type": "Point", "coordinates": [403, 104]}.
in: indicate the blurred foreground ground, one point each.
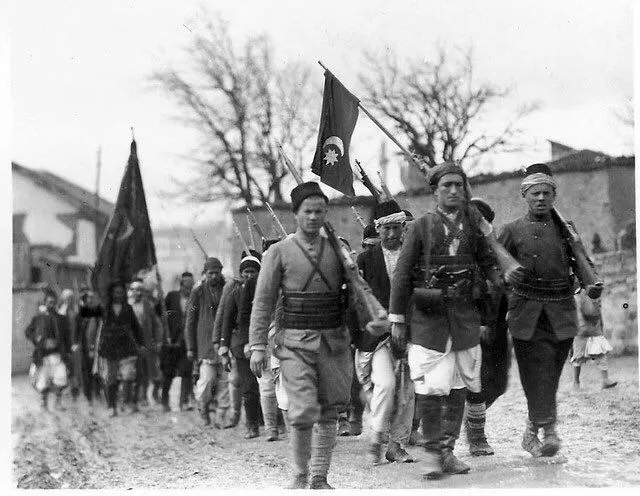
{"type": "Point", "coordinates": [82, 448]}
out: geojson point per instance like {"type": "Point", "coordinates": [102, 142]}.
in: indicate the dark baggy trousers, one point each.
{"type": "Point", "coordinates": [540, 362]}
{"type": "Point", "coordinates": [174, 363]}
{"type": "Point", "coordinates": [250, 390]}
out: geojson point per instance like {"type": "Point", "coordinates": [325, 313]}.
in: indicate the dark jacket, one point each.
{"type": "Point", "coordinates": [86, 340]}
{"type": "Point", "coordinates": [49, 333]}
{"type": "Point", "coordinates": [201, 312]}
{"type": "Point", "coordinates": [121, 334]}
{"type": "Point", "coordinates": [373, 268]}
{"type": "Point", "coordinates": [176, 318]}
{"type": "Point", "coordinates": [539, 247]}
{"type": "Point", "coordinates": [458, 319]}
{"type": "Point", "coordinates": [240, 336]}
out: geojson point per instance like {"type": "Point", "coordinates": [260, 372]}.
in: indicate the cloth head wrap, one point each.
{"type": "Point", "coordinates": [446, 168]}
{"type": "Point", "coordinates": [537, 178]}
{"type": "Point", "coordinates": [250, 261]}
{"type": "Point", "coordinates": [388, 212]}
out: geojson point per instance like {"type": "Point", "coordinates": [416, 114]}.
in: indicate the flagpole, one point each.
{"type": "Point", "coordinates": [97, 201]}
{"type": "Point", "coordinates": [408, 154]}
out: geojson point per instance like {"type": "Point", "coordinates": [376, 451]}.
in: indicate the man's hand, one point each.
{"type": "Point", "coordinates": [75, 347]}
{"type": "Point", "coordinates": [223, 350]}
{"type": "Point", "coordinates": [216, 347]}
{"type": "Point", "coordinates": [399, 335]}
{"type": "Point", "coordinates": [247, 351]}
{"type": "Point", "coordinates": [190, 355]}
{"type": "Point", "coordinates": [258, 362]}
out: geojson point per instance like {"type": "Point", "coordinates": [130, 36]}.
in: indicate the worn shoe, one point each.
{"type": "Point", "coordinates": [319, 482]}
{"type": "Point", "coordinates": [43, 403]}
{"type": "Point", "coordinates": [300, 481]}
{"type": "Point", "coordinates": [272, 435]}
{"type": "Point", "coordinates": [166, 408]}
{"type": "Point", "coordinates": [375, 453]}
{"type": "Point", "coordinates": [252, 432]}
{"type": "Point", "coordinates": [480, 447]}
{"type": "Point", "coordinates": [355, 427]}
{"type": "Point", "coordinates": [432, 466]}
{"type": "Point", "coordinates": [398, 454]}
{"type": "Point", "coordinates": [608, 385]}
{"type": "Point", "coordinates": [235, 418]}
{"type": "Point", "coordinates": [344, 427]}
{"type": "Point", "coordinates": [551, 441]}
{"type": "Point", "coordinates": [58, 404]}
{"type": "Point", "coordinates": [113, 412]}
{"type": "Point", "coordinates": [133, 408]}
{"type": "Point", "coordinates": [530, 441]}
{"type": "Point", "coordinates": [451, 464]}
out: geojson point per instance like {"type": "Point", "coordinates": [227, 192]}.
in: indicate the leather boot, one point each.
{"type": "Point", "coordinates": [550, 440]}
{"type": "Point", "coordinates": [270, 413]}
{"type": "Point", "coordinates": [474, 426]}
{"type": "Point", "coordinates": [451, 424]}
{"type": "Point", "coordinates": [235, 392]}
{"type": "Point", "coordinates": [323, 441]}
{"type": "Point", "coordinates": [112, 399]}
{"type": "Point", "coordinates": [431, 410]}
{"type": "Point", "coordinates": [530, 441]}
{"type": "Point", "coordinates": [396, 453]}
{"type": "Point", "coordinates": [300, 445]}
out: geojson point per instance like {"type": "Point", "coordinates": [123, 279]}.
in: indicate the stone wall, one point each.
{"type": "Point", "coordinates": [619, 299]}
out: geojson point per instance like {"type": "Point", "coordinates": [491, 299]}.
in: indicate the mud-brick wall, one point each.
{"type": "Point", "coordinates": [25, 306]}
{"type": "Point", "coordinates": [619, 299]}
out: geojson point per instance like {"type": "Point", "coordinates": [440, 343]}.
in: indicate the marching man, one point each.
{"type": "Point", "coordinates": [313, 344]}
{"type": "Point", "coordinates": [444, 349]}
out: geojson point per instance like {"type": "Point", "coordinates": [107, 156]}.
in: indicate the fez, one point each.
{"type": "Point", "coordinates": [304, 191]}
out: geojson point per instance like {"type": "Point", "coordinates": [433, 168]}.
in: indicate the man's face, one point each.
{"type": "Point", "coordinates": [450, 191]}
{"type": "Point", "coordinates": [311, 213]}
{"type": "Point", "coordinates": [391, 235]}
{"type": "Point", "coordinates": [540, 199]}
{"type": "Point", "coordinates": [118, 294]}
{"type": "Point", "coordinates": [248, 273]}
{"type": "Point", "coordinates": [92, 299]}
{"type": "Point", "coordinates": [212, 275]}
{"type": "Point", "coordinates": [136, 293]}
{"type": "Point", "coordinates": [187, 284]}
{"type": "Point", "coordinates": [50, 303]}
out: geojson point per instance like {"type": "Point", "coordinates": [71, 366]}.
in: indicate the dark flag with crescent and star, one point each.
{"type": "Point", "coordinates": [128, 245]}
{"type": "Point", "coordinates": [338, 119]}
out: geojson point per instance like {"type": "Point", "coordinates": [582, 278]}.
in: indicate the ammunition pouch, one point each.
{"type": "Point", "coordinates": [313, 310]}
{"type": "Point", "coordinates": [428, 299]}
{"type": "Point", "coordinates": [535, 288]}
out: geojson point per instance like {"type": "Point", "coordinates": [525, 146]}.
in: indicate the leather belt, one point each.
{"type": "Point", "coordinates": [312, 310]}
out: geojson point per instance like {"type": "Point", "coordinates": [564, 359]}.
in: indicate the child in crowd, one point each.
{"type": "Point", "coordinates": [590, 343]}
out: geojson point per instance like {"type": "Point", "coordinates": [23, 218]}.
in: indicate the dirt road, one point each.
{"type": "Point", "coordinates": [82, 448]}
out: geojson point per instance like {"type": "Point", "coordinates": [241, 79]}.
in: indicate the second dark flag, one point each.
{"type": "Point", "coordinates": [338, 119]}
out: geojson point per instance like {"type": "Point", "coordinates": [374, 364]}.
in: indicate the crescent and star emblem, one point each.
{"type": "Point", "coordinates": [333, 149]}
{"type": "Point", "coordinates": [128, 230]}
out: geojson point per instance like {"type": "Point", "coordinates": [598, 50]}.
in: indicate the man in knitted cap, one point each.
{"type": "Point", "coordinates": [235, 338]}
{"type": "Point", "coordinates": [313, 344]}
{"type": "Point", "coordinates": [379, 366]}
{"type": "Point", "coordinates": [542, 315]}
{"type": "Point", "coordinates": [444, 349]}
{"type": "Point", "coordinates": [201, 312]}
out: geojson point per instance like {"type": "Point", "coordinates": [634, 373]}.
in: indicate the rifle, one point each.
{"type": "Point", "coordinates": [252, 243]}
{"type": "Point", "coordinates": [584, 267]}
{"type": "Point", "coordinates": [276, 220]}
{"type": "Point", "coordinates": [236, 232]}
{"type": "Point", "coordinates": [254, 221]}
{"type": "Point", "coordinates": [360, 219]}
{"type": "Point", "coordinates": [199, 244]}
{"type": "Point", "coordinates": [94, 368]}
{"type": "Point", "coordinates": [370, 312]}
{"type": "Point", "coordinates": [384, 187]}
{"type": "Point", "coordinates": [377, 195]}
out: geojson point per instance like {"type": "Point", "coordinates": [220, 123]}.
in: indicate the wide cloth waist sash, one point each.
{"type": "Point", "coordinates": [536, 288]}
{"type": "Point", "coordinates": [458, 269]}
{"type": "Point", "coordinates": [312, 310]}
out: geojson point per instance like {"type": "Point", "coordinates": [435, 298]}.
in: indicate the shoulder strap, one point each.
{"type": "Point", "coordinates": [314, 263]}
{"type": "Point", "coordinates": [427, 248]}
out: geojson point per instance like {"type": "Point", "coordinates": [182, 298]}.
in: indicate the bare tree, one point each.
{"type": "Point", "coordinates": [625, 113]}
{"type": "Point", "coordinates": [438, 108]}
{"type": "Point", "coordinates": [240, 102]}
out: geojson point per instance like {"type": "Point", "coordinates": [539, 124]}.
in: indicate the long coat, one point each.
{"type": "Point", "coordinates": [201, 312]}
{"type": "Point", "coordinates": [121, 335]}
{"type": "Point", "coordinates": [538, 246]}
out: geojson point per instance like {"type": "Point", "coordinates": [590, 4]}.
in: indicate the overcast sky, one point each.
{"type": "Point", "coordinates": [79, 72]}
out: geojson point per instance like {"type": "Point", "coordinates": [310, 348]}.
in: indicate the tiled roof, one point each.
{"type": "Point", "coordinates": [56, 184]}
